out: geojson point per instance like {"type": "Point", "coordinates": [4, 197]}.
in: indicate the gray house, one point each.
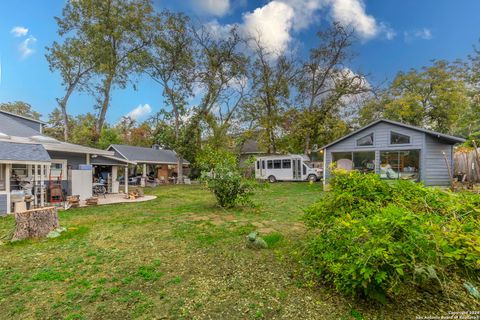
{"type": "Point", "coordinates": [32, 164]}
{"type": "Point", "coordinates": [394, 151]}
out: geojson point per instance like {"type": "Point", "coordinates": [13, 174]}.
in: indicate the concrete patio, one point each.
{"type": "Point", "coordinates": [118, 198]}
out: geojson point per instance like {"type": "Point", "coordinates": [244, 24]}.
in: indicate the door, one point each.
{"type": "Point", "coordinates": [297, 169]}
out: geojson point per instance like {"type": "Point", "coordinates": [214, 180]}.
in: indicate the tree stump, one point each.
{"type": "Point", "coordinates": [35, 223]}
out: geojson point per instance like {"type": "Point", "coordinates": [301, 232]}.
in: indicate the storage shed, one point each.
{"type": "Point", "coordinates": [394, 150]}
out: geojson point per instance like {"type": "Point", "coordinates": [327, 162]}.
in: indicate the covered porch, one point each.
{"type": "Point", "coordinates": [24, 179]}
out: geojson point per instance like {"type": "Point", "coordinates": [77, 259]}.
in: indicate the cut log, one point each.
{"type": "Point", "coordinates": [93, 201]}
{"type": "Point", "coordinates": [35, 223]}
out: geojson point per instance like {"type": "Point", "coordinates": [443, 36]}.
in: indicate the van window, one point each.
{"type": "Point", "coordinates": [258, 165]}
{"type": "Point", "coordinates": [286, 163]}
{"type": "Point", "coordinates": [304, 169]}
{"type": "Point", "coordinates": [277, 164]}
{"type": "Point", "coordinates": [263, 164]}
{"type": "Point", "coordinates": [269, 164]}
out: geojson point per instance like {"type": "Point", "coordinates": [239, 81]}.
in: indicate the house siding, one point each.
{"type": "Point", "coordinates": [435, 168]}
{"type": "Point", "coordinates": [381, 142]}
{"type": "Point", "coordinates": [73, 159]}
{"type": "Point", "coordinates": [3, 204]}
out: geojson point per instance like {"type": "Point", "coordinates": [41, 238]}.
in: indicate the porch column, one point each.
{"type": "Point", "coordinates": [144, 174]}
{"type": "Point", "coordinates": [87, 160]}
{"type": "Point", "coordinates": [43, 189]}
{"type": "Point", "coordinates": [126, 180]}
{"type": "Point", "coordinates": [8, 169]}
{"type": "Point", "coordinates": [35, 183]}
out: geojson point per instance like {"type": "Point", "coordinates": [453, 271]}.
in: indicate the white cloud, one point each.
{"type": "Point", "coordinates": [25, 46]}
{"type": "Point", "coordinates": [271, 25]}
{"type": "Point", "coordinates": [424, 34]}
{"type": "Point", "coordinates": [139, 112]}
{"type": "Point", "coordinates": [352, 13]}
{"type": "Point", "coordinates": [306, 11]}
{"type": "Point", "coordinates": [212, 7]}
{"type": "Point", "coordinates": [19, 31]}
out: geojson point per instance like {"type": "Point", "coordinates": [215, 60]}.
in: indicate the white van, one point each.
{"type": "Point", "coordinates": [285, 168]}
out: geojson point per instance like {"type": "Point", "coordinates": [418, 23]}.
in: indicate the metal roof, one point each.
{"type": "Point", "coordinates": [12, 151]}
{"type": "Point", "coordinates": [145, 155]}
{"type": "Point", "coordinates": [447, 138]}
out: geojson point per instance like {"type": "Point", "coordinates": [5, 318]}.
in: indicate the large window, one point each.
{"type": "Point", "coordinates": [286, 163]}
{"type": "Point", "coordinates": [365, 141]}
{"type": "Point", "coordinates": [398, 138]}
{"type": "Point", "coordinates": [362, 161]}
{"type": "Point", "coordinates": [2, 177]}
{"type": "Point", "coordinates": [269, 164]}
{"type": "Point", "coordinates": [403, 165]}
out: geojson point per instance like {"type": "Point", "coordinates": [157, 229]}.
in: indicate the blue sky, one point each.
{"type": "Point", "coordinates": [393, 35]}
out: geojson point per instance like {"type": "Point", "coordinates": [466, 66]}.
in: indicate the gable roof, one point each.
{"type": "Point", "coordinates": [12, 151]}
{"type": "Point", "coordinates": [145, 155]}
{"type": "Point", "coordinates": [23, 117]}
{"type": "Point", "coordinates": [445, 137]}
{"type": "Point", "coordinates": [14, 128]}
{"type": "Point", "coordinates": [17, 132]}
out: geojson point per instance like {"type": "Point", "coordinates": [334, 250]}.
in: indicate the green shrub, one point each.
{"type": "Point", "coordinates": [222, 176]}
{"type": "Point", "coordinates": [370, 236]}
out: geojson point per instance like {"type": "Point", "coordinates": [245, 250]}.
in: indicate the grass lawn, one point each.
{"type": "Point", "coordinates": [179, 256]}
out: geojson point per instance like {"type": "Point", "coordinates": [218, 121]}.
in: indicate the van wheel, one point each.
{"type": "Point", "coordinates": [272, 179]}
{"type": "Point", "coordinates": [312, 178]}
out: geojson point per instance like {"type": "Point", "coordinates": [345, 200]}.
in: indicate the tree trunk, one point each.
{"type": "Point", "coordinates": [63, 108]}
{"type": "Point", "coordinates": [35, 223]}
{"type": "Point", "coordinates": [103, 110]}
{"type": "Point", "coordinates": [177, 138]}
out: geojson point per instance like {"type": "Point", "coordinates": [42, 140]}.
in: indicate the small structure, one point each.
{"type": "Point", "coordinates": [155, 162]}
{"type": "Point", "coordinates": [394, 150]}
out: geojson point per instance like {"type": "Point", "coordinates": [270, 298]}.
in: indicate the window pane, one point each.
{"type": "Point", "coordinates": [365, 141]}
{"type": "Point", "coordinates": [277, 164]}
{"type": "Point", "coordinates": [304, 169]}
{"type": "Point", "coordinates": [343, 160]}
{"type": "Point", "coordinates": [286, 163]}
{"type": "Point", "coordinates": [400, 165]}
{"type": "Point", "coordinates": [263, 164]}
{"type": "Point", "coordinates": [269, 164]}
{"type": "Point", "coordinates": [397, 138]}
{"type": "Point", "coordinates": [364, 161]}
{"type": "Point", "coordinates": [2, 177]}
{"type": "Point", "coordinates": [258, 165]}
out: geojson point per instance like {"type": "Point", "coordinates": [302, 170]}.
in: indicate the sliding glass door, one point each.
{"type": "Point", "coordinates": [363, 161]}
{"type": "Point", "coordinates": [403, 165]}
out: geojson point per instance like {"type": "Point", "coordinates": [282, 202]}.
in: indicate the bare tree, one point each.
{"type": "Point", "coordinates": [76, 65]}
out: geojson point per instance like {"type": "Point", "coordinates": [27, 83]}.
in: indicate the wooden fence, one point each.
{"type": "Point", "coordinates": [467, 165]}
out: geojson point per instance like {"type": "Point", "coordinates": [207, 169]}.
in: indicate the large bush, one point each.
{"type": "Point", "coordinates": [370, 236]}
{"type": "Point", "coordinates": [223, 177]}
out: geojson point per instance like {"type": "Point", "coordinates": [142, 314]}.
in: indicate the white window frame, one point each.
{"type": "Point", "coordinates": [366, 146]}
{"type": "Point", "coordinates": [401, 134]}
{"type": "Point", "coordinates": [64, 164]}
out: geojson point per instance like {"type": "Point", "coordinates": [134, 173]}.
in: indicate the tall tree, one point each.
{"type": "Point", "coordinates": [271, 76]}
{"type": "Point", "coordinates": [169, 63]}
{"type": "Point", "coordinates": [75, 62]}
{"type": "Point", "coordinates": [434, 97]}
{"type": "Point", "coordinates": [222, 80]}
{"type": "Point", "coordinates": [21, 108]}
{"type": "Point", "coordinates": [325, 85]}
{"type": "Point", "coordinates": [117, 31]}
